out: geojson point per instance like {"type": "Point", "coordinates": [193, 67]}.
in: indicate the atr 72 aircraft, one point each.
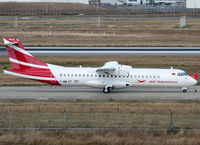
{"type": "Point", "coordinates": [108, 77]}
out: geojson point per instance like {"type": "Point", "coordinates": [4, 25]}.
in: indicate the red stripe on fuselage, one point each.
{"type": "Point", "coordinates": [141, 81]}
{"type": "Point", "coordinates": [34, 72]}
{"type": "Point", "coordinates": [195, 76]}
{"type": "Point", "coordinates": [37, 73]}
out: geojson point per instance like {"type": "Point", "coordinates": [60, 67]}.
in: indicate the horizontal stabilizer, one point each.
{"type": "Point", "coordinates": [6, 42]}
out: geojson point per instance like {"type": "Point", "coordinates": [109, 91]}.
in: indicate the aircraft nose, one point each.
{"type": "Point", "coordinates": [194, 82]}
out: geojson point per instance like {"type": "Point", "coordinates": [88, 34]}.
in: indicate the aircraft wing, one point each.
{"type": "Point", "coordinates": [109, 67]}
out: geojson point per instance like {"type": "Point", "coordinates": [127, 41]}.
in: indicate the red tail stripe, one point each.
{"type": "Point", "coordinates": [15, 66]}
{"type": "Point", "coordinates": [21, 66]}
{"type": "Point", "coordinates": [11, 54]}
{"type": "Point", "coordinates": [23, 57]}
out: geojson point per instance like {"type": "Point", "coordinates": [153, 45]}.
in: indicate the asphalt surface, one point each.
{"type": "Point", "coordinates": [52, 93]}
{"type": "Point", "coordinates": [110, 51]}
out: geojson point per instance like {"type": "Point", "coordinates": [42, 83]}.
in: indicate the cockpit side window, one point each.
{"type": "Point", "coordinates": [182, 74]}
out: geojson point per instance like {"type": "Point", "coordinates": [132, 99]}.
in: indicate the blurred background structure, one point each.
{"type": "Point", "coordinates": [110, 2]}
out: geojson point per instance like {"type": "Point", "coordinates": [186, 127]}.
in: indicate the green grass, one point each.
{"type": "Point", "coordinates": [184, 27]}
{"type": "Point", "coordinates": [4, 24]}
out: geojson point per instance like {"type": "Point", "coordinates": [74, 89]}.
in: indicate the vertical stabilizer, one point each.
{"type": "Point", "coordinates": [25, 65]}
{"type": "Point", "coordinates": [19, 57]}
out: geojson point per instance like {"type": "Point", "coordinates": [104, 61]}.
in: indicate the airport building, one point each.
{"type": "Point", "coordinates": [135, 2]}
{"type": "Point", "coordinates": [112, 2]}
{"type": "Point", "coordinates": [139, 2]}
{"type": "Point", "coordinates": [193, 4]}
{"type": "Point", "coordinates": [190, 3]}
{"type": "Point", "coordinates": [123, 2]}
{"type": "Point", "coordinates": [168, 1]}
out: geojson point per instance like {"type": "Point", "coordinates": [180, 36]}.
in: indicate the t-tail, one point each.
{"type": "Point", "coordinates": [25, 65]}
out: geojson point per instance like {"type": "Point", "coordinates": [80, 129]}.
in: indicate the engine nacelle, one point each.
{"type": "Point", "coordinates": [114, 68]}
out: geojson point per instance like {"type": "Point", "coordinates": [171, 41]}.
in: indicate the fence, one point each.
{"type": "Point", "coordinates": [98, 118]}
{"type": "Point", "coordinates": [111, 10]}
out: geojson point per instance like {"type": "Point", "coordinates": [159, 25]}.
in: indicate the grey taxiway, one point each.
{"type": "Point", "coordinates": [110, 51]}
{"type": "Point", "coordinates": [52, 93]}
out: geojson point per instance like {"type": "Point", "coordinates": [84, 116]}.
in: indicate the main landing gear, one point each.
{"type": "Point", "coordinates": [184, 90]}
{"type": "Point", "coordinates": [107, 89]}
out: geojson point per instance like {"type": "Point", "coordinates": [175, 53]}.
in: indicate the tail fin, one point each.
{"type": "Point", "coordinates": [19, 57]}
{"type": "Point", "coordinates": [25, 65]}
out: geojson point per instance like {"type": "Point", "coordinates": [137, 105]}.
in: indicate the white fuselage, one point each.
{"type": "Point", "coordinates": [111, 75]}
{"type": "Point", "coordinates": [78, 76]}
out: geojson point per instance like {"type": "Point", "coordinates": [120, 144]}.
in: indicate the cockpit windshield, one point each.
{"type": "Point", "coordinates": [182, 74]}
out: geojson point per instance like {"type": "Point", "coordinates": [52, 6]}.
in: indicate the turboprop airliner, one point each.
{"type": "Point", "coordinates": [108, 77]}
